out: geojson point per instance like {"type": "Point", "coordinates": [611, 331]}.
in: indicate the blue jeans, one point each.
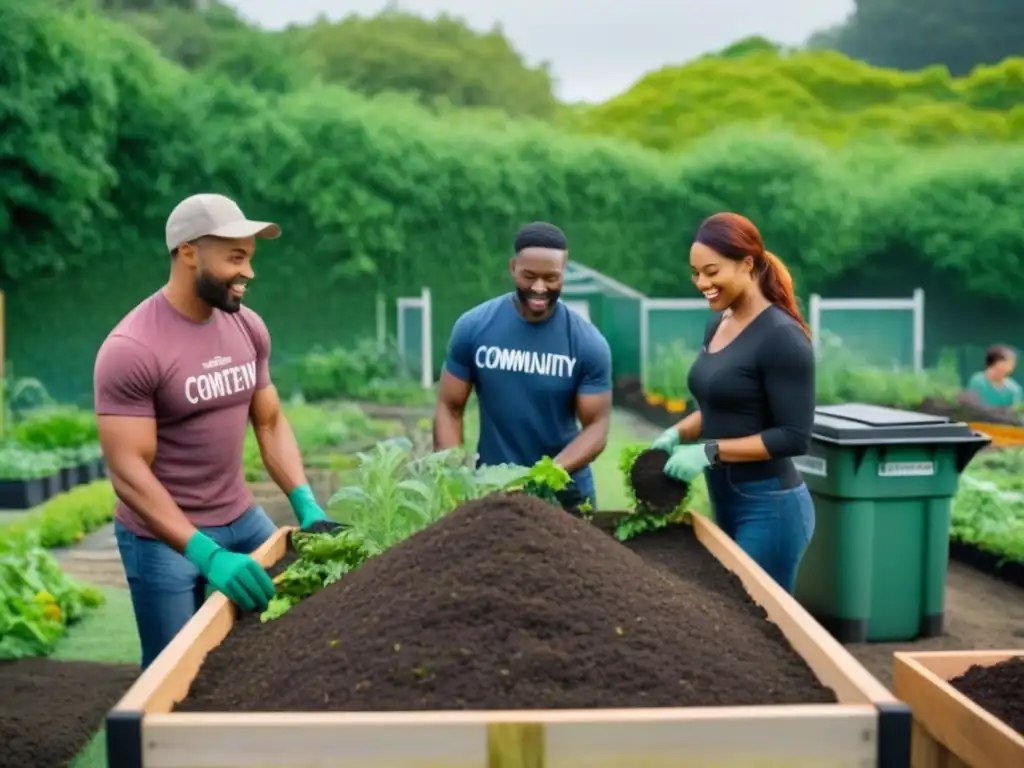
{"type": "Point", "coordinates": [770, 523]}
{"type": "Point", "coordinates": [166, 588]}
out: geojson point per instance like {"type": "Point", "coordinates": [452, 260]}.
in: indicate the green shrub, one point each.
{"type": "Point", "coordinates": [67, 517]}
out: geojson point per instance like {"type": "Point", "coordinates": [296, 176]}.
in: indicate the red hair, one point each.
{"type": "Point", "coordinates": [735, 237]}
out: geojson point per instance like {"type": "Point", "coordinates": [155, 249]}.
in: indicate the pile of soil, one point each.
{"type": "Point", "coordinates": [998, 689]}
{"type": "Point", "coordinates": [509, 602]}
{"type": "Point", "coordinates": [653, 488]}
{"type": "Point", "coordinates": [960, 411]}
{"type": "Point", "coordinates": [50, 710]}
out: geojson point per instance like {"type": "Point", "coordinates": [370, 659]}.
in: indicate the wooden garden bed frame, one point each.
{"type": "Point", "coordinates": [869, 727]}
{"type": "Point", "coordinates": [950, 730]}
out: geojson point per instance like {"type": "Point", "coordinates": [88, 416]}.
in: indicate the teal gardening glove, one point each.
{"type": "Point", "coordinates": [666, 441]}
{"type": "Point", "coordinates": [240, 578]}
{"type": "Point", "coordinates": [311, 518]}
{"type": "Point", "coordinates": [686, 462]}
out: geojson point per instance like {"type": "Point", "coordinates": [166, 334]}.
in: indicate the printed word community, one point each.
{"type": "Point", "coordinates": [540, 363]}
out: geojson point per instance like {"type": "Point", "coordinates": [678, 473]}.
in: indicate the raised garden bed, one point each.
{"type": "Point", "coordinates": [950, 729]}
{"type": "Point", "coordinates": [688, 621]}
{"type": "Point", "coordinates": [988, 563]}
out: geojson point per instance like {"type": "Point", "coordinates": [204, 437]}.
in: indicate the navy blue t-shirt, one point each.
{"type": "Point", "coordinates": [527, 376]}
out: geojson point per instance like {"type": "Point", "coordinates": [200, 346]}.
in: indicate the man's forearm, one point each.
{"type": "Point", "coordinates": [587, 446]}
{"type": "Point", "coordinates": [137, 486]}
{"type": "Point", "coordinates": [281, 455]}
{"type": "Point", "coordinates": [447, 428]}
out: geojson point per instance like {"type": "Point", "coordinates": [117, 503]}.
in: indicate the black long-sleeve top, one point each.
{"type": "Point", "coordinates": [761, 383]}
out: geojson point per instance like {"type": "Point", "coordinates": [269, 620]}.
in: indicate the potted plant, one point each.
{"type": "Point", "coordinates": [27, 478]}
{"type": "Point", "coordinates": [90, 463]}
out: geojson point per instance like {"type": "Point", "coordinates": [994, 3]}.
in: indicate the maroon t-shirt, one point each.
{"type": "Point", "coordinates": [197, 381]}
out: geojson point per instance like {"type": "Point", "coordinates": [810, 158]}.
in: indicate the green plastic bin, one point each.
{"type": "Point", "coordinates": [883, 482]}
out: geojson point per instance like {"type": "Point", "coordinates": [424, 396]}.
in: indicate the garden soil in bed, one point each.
{"type": "Point", "coordinates": [509, 602]}
{"type": "Point", "coordinates": [998, 689]}
{"type": "Point", "coordinates": [49, 710]}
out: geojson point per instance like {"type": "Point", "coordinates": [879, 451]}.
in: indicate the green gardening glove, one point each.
{"type": "Point", "coordinates": [240, 578]}
{"type": "Point", "coordinates": [686, 462]}
{"type": "Point", "coordinates": [666, 441]}
{"type": "Point", "coordinates": [311, 518]}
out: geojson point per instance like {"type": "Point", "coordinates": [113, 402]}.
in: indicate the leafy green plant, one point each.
{"type": "Point", "coordinates": [545, 480]}
{"type": "Point", "coordinates": [320, 430]}
{"type": "Point", "coordinates": [394, 496]}
{"type": "Point", "coordinates": [1004, 469]}
{"type": "Point", "coordinates": [53, 428]}
{"type": "Point", "coordinates": [841, 377]}
{"type": "Point", "coordinates": [66, 518]}
{"type": "Point", "coordinates": [666, 374]}
{"type": "Point", "coordinates": [37, 600]}
{"type": "Point", "coordinates": [362, 371]}
{"type": "Point", "coordinates": [323, 558]}
{"type": "Point", "coordinates": [990, 521]}
{"type": "Point", "coordinates": [640, 519]}
{"type": "Point", "coordinates": [18, 463]}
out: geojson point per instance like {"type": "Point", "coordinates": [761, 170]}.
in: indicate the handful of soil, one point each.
{"type": "Point", "coordinates": [655, 490]}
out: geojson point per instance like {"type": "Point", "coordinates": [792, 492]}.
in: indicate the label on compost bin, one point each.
{"type": "Point", "coordinates": [812, 465]}
{"type": "Point", "coordinates": [906, 469]}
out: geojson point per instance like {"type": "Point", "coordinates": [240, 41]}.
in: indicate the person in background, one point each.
{"type": "Point", "coordinates": [993, 387]}
{"type": "Point", "coordinates": [753, 382]}
{"type": "Point", "coordinates": [537, 367]}
{"type": "Point", "coordinates": [176, 383]}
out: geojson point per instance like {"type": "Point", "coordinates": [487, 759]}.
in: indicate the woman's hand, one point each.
{"type": "Point", "coordinates": [686, 462]}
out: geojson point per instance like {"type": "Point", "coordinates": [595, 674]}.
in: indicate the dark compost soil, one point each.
{"type": "Point", "coordinates": [998, 689]}
{"type": "Point", "coordinates": [653, 488]}
{"type": "Point", "coordinates": [968, 412]}
{"type": "Point", "coordinates": [49, 710]}
{"type": "Point", "coordinates": [510, 602]}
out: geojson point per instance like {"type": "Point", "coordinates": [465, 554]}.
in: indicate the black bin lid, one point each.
{"type": "Point", "coordinates": [862, 424]}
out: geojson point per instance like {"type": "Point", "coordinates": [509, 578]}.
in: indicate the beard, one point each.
{"type": "Point", "coordinates": [549, 297]}
{"type": "Point", "coordinates": [217, 293]}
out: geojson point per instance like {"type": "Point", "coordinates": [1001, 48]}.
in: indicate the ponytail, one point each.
{"type": "Point", "coordinates": [777, 286]}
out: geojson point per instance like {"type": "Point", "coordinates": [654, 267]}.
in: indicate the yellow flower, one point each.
{"type": "Point", "coordinates": [653, 399]}
{"type": "Point", "coordinates": [45, 597]}
{"type": "Point", "coordinates": [675, 406]}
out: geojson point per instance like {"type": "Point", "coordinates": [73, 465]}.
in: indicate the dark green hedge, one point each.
{"type": "Point", "coordinates": [102, 137]}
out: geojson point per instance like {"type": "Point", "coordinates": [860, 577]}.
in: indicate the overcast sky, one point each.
{"type": "Point", "coordinates": [597, 48]}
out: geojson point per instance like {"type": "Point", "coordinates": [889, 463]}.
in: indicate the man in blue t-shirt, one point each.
{"type": "Point", "coordinates": [542, 374]}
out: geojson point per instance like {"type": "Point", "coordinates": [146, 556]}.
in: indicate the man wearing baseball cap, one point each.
{"type": "Point", "coordinates": [176, 383]}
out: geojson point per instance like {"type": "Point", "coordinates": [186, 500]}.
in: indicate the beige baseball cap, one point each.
{"type": "Point", "coordinates": [201, 215]}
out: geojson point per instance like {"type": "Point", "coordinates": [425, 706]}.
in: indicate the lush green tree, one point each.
{"type": "Point", "coordinates": [912, 34]}
{"type": "Point", "coordinates": [819, 94]}
{"type": "Point", "coordinates": [437, 60]}
{"type": "Point", "coordinates": [103, 136]}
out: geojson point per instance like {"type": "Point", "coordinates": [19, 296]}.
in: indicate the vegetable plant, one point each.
{"type": "Point", "coordinates": [17, 463]}
{"type": "Point", "coordinates": [394, 496]}
{"type": "Point", "coordinates": [323, 558]}
{"type": "Point", "coordinates": [37, 600]}
{"type": "Point", "coordinates": [990, 521]}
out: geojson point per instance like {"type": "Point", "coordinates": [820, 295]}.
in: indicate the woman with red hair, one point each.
{"type": "Point", "coordinates": [753, 383]}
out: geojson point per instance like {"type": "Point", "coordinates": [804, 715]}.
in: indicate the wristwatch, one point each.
{"type": "Point", "coordinates": [711, 451]}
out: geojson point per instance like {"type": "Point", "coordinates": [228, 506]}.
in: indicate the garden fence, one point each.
{"type": "Point", "coordinates": [885, 332]}
{"type": "Point", "coordinates": [415, 341]}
